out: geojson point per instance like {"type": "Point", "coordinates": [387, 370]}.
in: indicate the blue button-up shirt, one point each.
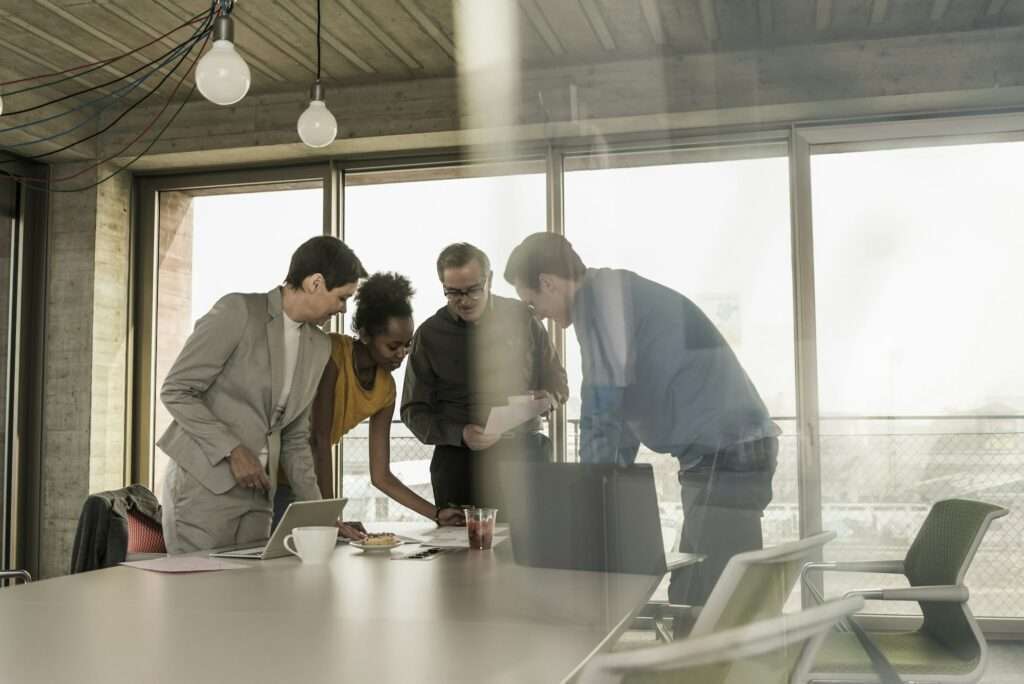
{"type": "Point", "coordinates": [657, 371]}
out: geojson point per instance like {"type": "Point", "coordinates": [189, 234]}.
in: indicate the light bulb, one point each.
{"type": "Point", "coordinates": [317, 126]}
{"type": "Point", "coordinates": [1, 105]}
{"type": "Point", "coordinates": [222, 76]}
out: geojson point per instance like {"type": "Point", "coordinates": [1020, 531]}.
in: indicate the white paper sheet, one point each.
{"type": "Point", "coordinates": [185, 564]}
{"type": "Point", "coordinates": [456, 537]}
{"type": "Point", "coordinates": [519, 410]}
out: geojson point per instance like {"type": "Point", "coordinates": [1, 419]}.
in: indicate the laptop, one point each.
{"type": "Point", "coordinates": [299, 514]}
{"type": "Point", "coordinates": [577, 516]}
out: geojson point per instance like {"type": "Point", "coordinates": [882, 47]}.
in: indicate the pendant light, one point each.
{"type": "Point", "coordinates": [222, 76]}
{"type": "Point", "coordinates": [317, 126]}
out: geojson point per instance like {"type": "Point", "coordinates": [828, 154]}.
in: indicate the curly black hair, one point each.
{"type": "Point", "coordinates": [382, 296]}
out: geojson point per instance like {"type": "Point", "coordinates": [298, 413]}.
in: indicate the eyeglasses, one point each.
{"type": "Point", "coordinates": [476, 293]}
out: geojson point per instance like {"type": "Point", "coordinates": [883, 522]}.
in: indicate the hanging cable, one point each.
{"type": "Point", "coordinates": [84, 90]}
{"type": "Point", "coordinates": [318, 40]}
{"type": "Point", "coordinates": [98, 65]}
{"type": "Point", "coordinates": [178, 54]}
{"type": "Point", "coordinates": [119, 94]}
{"type": "Point", "coordinates": [145, 130]}
{"type": "Point", "coordinates": [117, 118]}
{"type": "Point", "coordinates": [35, 183]}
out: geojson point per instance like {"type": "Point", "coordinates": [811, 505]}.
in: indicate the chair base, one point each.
{"type": "Point", "coordinates": [914, 655]}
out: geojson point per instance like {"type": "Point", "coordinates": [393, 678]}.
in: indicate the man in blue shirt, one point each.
{"type": "Point", "coordinates": [657, 372]}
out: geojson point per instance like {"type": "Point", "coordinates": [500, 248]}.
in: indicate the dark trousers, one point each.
{"type": "Point", "coordinates": [724, 497]}
{"type": "Point", "coordinates": [463, 477]}
{"type": "Point", "coordinates": [283, 498]}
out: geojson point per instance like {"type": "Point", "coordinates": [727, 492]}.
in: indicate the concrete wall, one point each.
{"type": "Point", "coordinates": [110, 335]}
{"type": "Point", "coordinates": [85, 360]}
{"type": "Point", "coordinates": [67, 383]}
{"type": "Point", "coordinates": [174, 303]}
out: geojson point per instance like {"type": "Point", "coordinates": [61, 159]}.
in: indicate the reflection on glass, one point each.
{"type": "Point", "coordinates": [919, 337]}
{"type": "Point", "coordinates": [403, 226]}
{"type": "Point", "coordinates": [718, 232]}
{"type": "Point", "coordinates": [211, 246]}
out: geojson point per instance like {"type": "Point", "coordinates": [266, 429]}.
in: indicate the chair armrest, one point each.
{"type": "Point", "coordinates": [22, 575]}
{"type": "Point", "coordinates": [677, 560]}
{"type": "Point", "coordinates": [893, 567]}
{"type": "Point", "coordinates": [889, 567]}
{"type": "Point", "coordinates": [932, 594]}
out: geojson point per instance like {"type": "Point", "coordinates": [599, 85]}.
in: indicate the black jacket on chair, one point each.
{"type": "Point", "coordinates": [101, 539]}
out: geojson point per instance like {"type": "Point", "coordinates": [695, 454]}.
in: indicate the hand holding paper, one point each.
{"type": "Point", "coordinates": [520, 409]}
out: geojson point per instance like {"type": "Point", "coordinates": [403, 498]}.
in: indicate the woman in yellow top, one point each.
{"type": "Point", "coordinates": [357, 385]}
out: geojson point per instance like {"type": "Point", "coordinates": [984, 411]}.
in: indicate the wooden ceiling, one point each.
{"type": "Point", "coordinates": [394, 47]}
{"type": "Point", "coordinates": [391, 40]}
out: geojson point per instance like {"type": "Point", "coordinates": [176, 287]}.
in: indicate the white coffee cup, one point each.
{"type": "Point", "coordinates": [313, 545]}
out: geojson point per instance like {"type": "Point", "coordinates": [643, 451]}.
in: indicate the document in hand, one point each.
{"type": "Point", "coordinates": [519, 410]}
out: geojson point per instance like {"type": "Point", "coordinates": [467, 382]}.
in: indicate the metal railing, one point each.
{"type": "Point", "coordinates": [880, 476]}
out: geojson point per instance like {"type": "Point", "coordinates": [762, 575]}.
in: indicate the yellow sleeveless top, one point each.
{"type": "Point", "coordinates": [352, 403]}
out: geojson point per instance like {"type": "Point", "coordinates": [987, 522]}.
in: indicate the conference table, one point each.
{"type": "Point", "coordinates": [464, 616]}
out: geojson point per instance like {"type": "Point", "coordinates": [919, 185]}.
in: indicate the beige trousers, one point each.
{"type": "Point", "coordinates": [196, 519]}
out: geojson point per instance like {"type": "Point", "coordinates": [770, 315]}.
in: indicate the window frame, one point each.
{"type": "Point", "coordinates": [144, 277]}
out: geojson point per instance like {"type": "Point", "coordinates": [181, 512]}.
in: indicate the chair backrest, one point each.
{"type": "Point", "coordinates": [941, 554]}
{"type": "Point", "coordinates": [102, 536]}
{"type": "Point", "coordinates": [755, 585]}
{"type": "Point", "coordinates": [776, 651]}
{"type": "Point", "coordinates": [144, 535]}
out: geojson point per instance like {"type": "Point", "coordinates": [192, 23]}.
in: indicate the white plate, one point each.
{"type": "Point", "coordinates": [370, 548]}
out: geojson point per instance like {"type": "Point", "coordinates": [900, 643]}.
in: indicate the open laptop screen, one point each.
{"type": "Point", "coordinates": [299, 514]}
{"type": "Point", "coordinates": [584, 517]}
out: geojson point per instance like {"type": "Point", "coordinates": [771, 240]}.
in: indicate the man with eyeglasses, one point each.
{"type": "Point", "coordinates": [469, 357]}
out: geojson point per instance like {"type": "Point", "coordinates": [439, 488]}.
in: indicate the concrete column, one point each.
{"type": "Point", "coordinates": [107, 454]}
{"type": "Point", "coordinates": [85, 359]}
{"type": "Point", "coordinates": [174, 304]}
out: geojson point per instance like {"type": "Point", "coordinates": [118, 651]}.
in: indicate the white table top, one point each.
{"type": "Point", "coordinates": [465, 616]}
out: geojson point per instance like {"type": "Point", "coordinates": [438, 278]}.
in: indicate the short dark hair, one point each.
{"type": "Point", "coordinates": [381, 297]}
{"type": "Point", "coordinates": [458, 255]}
{"type": "Point", "coordinates": [328, 256]}
{"type": "Point", "coordinates": [543, 253]}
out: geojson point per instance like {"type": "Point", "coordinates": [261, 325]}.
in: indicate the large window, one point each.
{"type": "Point", "coordinates": [911, 321]}
{"type": "Point", "coordinates": [209, 246]}
{"type": "Point", "coordinates": [400, 221]}
{"type": "Point", "coordinates": [920, 332]}
{"type": "Point", "coordinates": [715, 228]}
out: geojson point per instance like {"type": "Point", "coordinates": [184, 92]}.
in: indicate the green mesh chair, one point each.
{"type": "Point", "coordinates": [754, 586]}
{"type": "Point", "coordinates": [949, 646]}
{"type": "Point", "coordinates": [775, 651]}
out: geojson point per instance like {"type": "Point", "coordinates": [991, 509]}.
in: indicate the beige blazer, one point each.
{"type": "Point", "coordinates": [222, 389]}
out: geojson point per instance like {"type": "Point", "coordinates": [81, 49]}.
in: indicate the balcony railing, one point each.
{"type": "Point", "coordinates": [880, 475]}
